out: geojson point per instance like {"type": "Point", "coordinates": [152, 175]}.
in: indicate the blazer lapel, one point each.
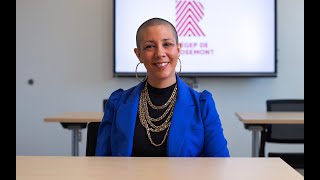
{"type": "Point", "coordinates": [125, 124]}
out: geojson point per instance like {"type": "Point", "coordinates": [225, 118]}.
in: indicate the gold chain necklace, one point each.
{"type": "Point", "coordinates": [147, 121]}
{"type": "Point", "coordinates": [165, 104]}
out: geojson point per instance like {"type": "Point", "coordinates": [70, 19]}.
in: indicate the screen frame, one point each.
{"type": "Point", "coordinates": [200, 74]}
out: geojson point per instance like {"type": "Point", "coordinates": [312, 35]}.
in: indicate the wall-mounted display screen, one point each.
{"type": "Point", "coordinates": [218, 37]}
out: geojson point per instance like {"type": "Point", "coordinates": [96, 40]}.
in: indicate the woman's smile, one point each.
{"type": "Point", "coordinates": [162, 66]}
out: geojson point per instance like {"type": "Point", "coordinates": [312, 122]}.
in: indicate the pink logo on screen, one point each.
{"type": "Point", "coordinates": [188, 15]}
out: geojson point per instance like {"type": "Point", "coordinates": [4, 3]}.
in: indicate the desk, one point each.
{"type": "Point", "coordinates": [146, 168]}
{"type": "Point", "coordinates": [75, 121]}
{"type": "Point", "coordinates": [254, 121]}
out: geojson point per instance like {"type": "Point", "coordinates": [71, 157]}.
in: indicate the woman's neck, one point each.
{"type": "Point", "coordinates": [162, 83]}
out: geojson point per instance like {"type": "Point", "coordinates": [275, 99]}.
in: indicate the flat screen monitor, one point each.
{"type": "Point", "coordinates": [218, 37]}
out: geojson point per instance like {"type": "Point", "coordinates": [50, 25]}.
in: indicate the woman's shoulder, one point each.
{"type": "Point", "coordinates": [205, 94]}
{"type": "Point", "coordinates": [115, 94]}
{"type": "Point", "coordinates": [121, 94]}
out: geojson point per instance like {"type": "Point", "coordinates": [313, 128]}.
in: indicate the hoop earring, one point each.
{"type": "Point", "coordinates": [180, 66]}
{"type": "Point", "coordinates": [137, 77]}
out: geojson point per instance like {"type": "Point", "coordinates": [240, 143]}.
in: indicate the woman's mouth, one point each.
{"type": "Point", "coordinates": [162, 65]}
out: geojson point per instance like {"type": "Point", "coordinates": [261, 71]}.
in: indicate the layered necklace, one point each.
{"type": "Point", "coordinates": [148, 122]}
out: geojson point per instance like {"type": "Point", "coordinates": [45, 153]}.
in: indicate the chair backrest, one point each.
{"type": "Point", "coordinates": [104, 103]}
{"type": "Point", "coordinates": [282, 133]}
{"type": "Point", "coordinates": [285, 133]}
{"type": "Point", "coordinates": [92, 133]}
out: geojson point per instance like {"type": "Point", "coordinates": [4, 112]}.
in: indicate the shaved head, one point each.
{"type": "Point", "coordinates": [154, 22]}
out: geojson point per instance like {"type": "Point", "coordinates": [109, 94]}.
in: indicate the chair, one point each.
{"type": "Point", "coordinates": [284, 133]}
{"type": "Point", "coordinates": [92, 133]}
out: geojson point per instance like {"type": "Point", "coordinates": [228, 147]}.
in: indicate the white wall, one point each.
{"type": "Point", "coordinates": [66, 47]}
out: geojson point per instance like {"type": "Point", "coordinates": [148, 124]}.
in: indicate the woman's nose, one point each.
{"type": "Point", "coordinates": [160, 52]}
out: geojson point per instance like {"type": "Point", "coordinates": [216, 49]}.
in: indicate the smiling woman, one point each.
{"type": "Point", "coordinates": [158, 49]}
{"type": "Point", "coordinates": [161, 116]}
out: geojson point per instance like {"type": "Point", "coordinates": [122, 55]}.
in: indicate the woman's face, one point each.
{"type": "Point", "coordinates": [159, 52]}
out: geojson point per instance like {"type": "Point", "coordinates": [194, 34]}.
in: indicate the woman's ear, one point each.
{"type": "Point", "coordinates": [179, 48]}
{"type": "Point", "coordinates": [138, 54]}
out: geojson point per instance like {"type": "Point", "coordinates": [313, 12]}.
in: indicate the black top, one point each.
{"type": "Point", "coordinates": [141, 143]}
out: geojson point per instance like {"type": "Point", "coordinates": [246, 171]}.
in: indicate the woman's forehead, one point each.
{"type": "Point", "coordinates": [158, 27]}
{"type": "Point", "coordinates": [158, 30]}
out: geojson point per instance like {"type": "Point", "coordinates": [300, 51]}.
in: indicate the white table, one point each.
{"type": "Point", "coordinates": [152, 168]}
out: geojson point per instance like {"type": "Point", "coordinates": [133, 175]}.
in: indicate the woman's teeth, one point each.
{"type": "Point", "coordinates": [161, 64]}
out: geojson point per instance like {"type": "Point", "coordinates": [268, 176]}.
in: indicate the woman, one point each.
{"type": "Point", "coordinates": [161, 116]}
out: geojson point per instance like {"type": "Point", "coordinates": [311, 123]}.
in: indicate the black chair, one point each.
{"type": "Point", "coordinates": [92, 133]}
{"type": "Point", "coordinates": [284, 133]}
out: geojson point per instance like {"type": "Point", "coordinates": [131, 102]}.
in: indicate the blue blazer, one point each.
{"type": "Point", "coordinates": [195, 129]}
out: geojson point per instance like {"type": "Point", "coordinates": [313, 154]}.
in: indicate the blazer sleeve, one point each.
{"type": "Point", "coordinates": [215, 144]}
{"type": "Point", "coordinates": [103, 146]}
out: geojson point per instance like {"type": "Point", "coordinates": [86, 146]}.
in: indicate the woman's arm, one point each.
{"type": "Point", "coordinates": [215, 144]}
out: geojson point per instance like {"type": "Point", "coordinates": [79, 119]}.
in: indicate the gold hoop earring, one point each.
{"type": "Point", "coordinates": [137, 77]}
{"type": "Point", "coordinates": [180, 66]}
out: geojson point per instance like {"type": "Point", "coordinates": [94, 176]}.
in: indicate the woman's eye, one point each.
{"type": "Point", "coordinates": [167, 44]}
{"type": "Point", "coordinates": [149, 46]}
